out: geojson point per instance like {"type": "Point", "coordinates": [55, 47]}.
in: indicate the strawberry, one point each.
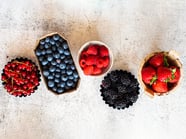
{"type": "Point", "coordinates": [175, 74]}
{"type": "Point", "coordinates": [103, 51]}
{"type": "Point", "coordinates": [160, 87]}
{"type": "Point", "coordinates": [97, 70]}
{"type": "Point", "coordinates": [88, 70]}
{"type": "Point", "coordinates": [82, 63]}
{"type": "Point", "coordinates": [92, 50]}
{"type": "Point", "coordinates": [164, 74]}
{"type": "Point", "coordinates": [148, 75]}
{"type": "Point", "coordinates": [157, 60]}
{"type": "Point", "coordinates": [91, 60]}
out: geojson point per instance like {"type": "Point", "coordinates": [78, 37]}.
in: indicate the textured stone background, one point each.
{"type": "Point", "coordinates": [132, 29]}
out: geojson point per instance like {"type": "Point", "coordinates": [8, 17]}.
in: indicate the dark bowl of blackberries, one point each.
{"type": "Point", "coordinates": [56, 63]}
{"type": "Point", "coordinates": [119, 89]}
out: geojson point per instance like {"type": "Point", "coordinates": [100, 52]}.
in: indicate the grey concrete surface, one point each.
{"type": "Point", "coordinates": [132, 29]}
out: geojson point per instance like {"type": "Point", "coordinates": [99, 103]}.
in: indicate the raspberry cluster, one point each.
{"type": "Point", "coordinates": [56, 63]}
{"type": "Point", "coordinates": [119, 89]}
{"type": "Point", "coordinates": [94, 59]}
{"type": "Point", "coordinates": [20, 77]}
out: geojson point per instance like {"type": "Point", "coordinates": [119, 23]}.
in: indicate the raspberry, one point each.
{"type": "Point", "coordinates": [96, 71]}
{"type": "Point", "coordinates": [91, 60]}
{"type": "Point", "coordinates": [100, 63]}
{"type": "Point", "coordinates": [82, 63]}
{"type": "Point", "coordinates": [92, 50]}
{"type": "Point", "coordinates": [88, 70]}
{"type": "Point", "coordinates": [106, 61]}
{"type": "Point", "coordinates": [103, 51]}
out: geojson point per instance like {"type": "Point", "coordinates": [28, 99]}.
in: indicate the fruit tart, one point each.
{"type": "Point", "coordinates": [20, 77]}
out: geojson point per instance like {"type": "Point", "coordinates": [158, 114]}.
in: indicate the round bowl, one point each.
{"type": "Point", "coordinates": [173, 60]}
{"type": "Point", "coordinates": [98, 45]}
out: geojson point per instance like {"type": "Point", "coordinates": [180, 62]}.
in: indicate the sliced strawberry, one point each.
{"type": "Point", "coordinates": [97, 70]}
{"type": "Point", "coordinates": [175, 74]}
{"type": "Point", "coordinates": [92, 50]}
{"type": "Point", "coordinates": [157, 60]}
{"type": "Point", "coordinates": [148, 75]}
{"type": "Point", "coordinates": [164, 74]}
{"type": "Point", "coordinates": [160, 87]}
{"type": "Point", "coordinates": [91, 60]}
{"type": "Point", "coordinates": [88, 70]}
{"type": "Point", "coordinates": [103, 51]}
{"type": "Point", "coordinates": [82, 63]}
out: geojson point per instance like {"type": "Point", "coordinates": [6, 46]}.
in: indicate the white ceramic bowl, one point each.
{"type": "Point", "coordinates": [86, 45]}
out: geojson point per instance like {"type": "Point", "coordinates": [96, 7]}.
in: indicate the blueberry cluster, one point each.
{"type": "Point", "coordinates": [56, 63]}
{"type": "Point", "coordinates": [119, 89]}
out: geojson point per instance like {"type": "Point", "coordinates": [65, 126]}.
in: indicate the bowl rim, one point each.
{"type": "Point", "coordinates": [84, 46]}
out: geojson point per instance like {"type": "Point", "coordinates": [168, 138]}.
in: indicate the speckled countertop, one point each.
{"type": "Point", "coordinates": [132, 29]}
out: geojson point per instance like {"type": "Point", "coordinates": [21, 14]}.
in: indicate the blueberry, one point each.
{"type": "Point", "coordinates": [41, 58]}
{"type": "Point", "coordinates": [56, 37]}
{"type": "Point", "coordinates": [54, 88]}
{"type": "Point", "coordinates": [42, 42]}
{"type": "Point", "coordinates": [50, 77]}
{"type": "Point", "coordinates": [58, 61]}
{"type": "Point", "coordinates": [53, 62]}
{"type": "Point", "coordinates": [67, 87]}
{"type": "Point", "coordinates": [38, 52]}
{"type": "Point", "coordinates": [60, 90]}
{"type": "Point", "coordinates": [52, 41]}
{"type": "Point", "coordinates": [49, 57]}
{"type": "Point", "coordinates": [56, 55]}
{"type": "Point", "coordinates": [75, 74]}
{"type": "Point", "coordinates": [41, 46]}
{"type": "Point", "coordinates": [69, 72]}
{"type": "Point", "coordinates": [62, 84]}
{"type": "Point", "coordinates": [51, 83]}
{"type": "Point", "coordinates": [57, 80]}
{"type": "Point", "coordinates": [70, 83]}
{"type": "Point", "coordinates": [75, 79]}
{"type": "Point", "coordinates": [60, 50]}
{"type": "Point", "coordinates": [67, 52]}
{"type": "Point", "coordinates": [62, 66]}
{"type": "Point", "coordinates": [58, 44]}
{"type": "Point", "coordinates": [64, 77]}
{"type": "Point", "coordinates": [72, 67]}
{"type": "Point", "coordinates": [71, 77]}
{"type": "Point", "coordinates": [47, 46]}
{"type": "Point", "coordinates": [62, 57]}
{"type": "Point", "coordinates": [58, 70]}
{"type": "Point", "coordinates": [52, 68]}
{"type": "Point", "coordinates": [44, 62]}
{"type": "Point", "coordinates": [57, 75]}
{"type": "Point", "coordinates": [47, 40]}
{"type": "Point", "coordinates": [43, 52]}
{"type": "Point", "coordinates": [68, 67]}
{"type": "Point", "coordinates": [68, 60]}
{"type": "Point", "coordinates": [63, 71]}
{"type": "Point", "coordinates": [48, 51]}
{"type": "Point", "coordinates": [54, 48]}
{"type": "Point", "coordinates": [45, 73]}
{"type": "Point", "coordinates": [65, 45]}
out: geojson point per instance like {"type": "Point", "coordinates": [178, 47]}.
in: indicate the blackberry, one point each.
{"type": "Point", "coordinates": [106, 83]}
{"type": "Point", "coordinates": [114, 76]}
{"type": "Point", "coordinates": [119, 89]}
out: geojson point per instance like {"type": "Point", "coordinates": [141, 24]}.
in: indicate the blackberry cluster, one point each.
{"type": "Point", "coordinates": [57, 64]}
{"type": "Point", "coordinates": [119, 89]}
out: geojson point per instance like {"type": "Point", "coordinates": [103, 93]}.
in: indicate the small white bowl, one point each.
{"type": "Point", "coordinates": [85, 46]}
